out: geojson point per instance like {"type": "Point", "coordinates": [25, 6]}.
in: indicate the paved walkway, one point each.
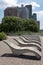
{"type": "Point", "coordinates": [7, 58]}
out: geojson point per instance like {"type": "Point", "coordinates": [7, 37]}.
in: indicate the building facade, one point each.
{"type": "Point", "coordinates": [10, 11]}
{"type": "Point", "coordinates": [29, 7]}
{"type": "Point", "coordinates": [34, 16]}
{"type": "Point", "coordinates": [23, 12]}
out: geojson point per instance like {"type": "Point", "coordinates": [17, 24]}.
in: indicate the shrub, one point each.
{"type": "Point", "coordinates": [15, 24]}
{"type": "Point", "coordinates": [2, 36]}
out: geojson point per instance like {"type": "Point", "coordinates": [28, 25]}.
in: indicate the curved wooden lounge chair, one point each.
{"type": "Point", "coordinates": [17, 50]}
{"type": "Point", "coordinates": [29, 41]}
{"type": "Point", "coordinates": [21, 43]}
{"type": "Point", "coordinates": [32, 37]}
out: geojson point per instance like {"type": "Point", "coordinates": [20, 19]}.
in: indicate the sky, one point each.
{"type": "Point", "coordinates": [37, 7]}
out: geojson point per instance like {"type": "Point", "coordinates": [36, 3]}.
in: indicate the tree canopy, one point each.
{"type": "Point", "coordinates": [13, 24]}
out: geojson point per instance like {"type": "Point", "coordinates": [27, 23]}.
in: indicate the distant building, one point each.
{"type": "Point", "coordinates": [34, 16]}
{"type": "Point", "coordinates": [23, 12]}
{"type": "Point", "coordinates": [10, 11]}
{"type": "Point", "coordinates": [38, 24]}
{"type": "Point", "coordinates": [29, 7]}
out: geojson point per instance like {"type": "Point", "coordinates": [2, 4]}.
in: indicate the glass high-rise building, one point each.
{"type": "Point", "coordinates": [29, 7]}
{"type": "Point", "coordinates": [34, 16]}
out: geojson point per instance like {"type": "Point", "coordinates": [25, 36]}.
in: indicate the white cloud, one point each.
{"type": "Point", "coordinates": [7, 3]}
{"type": "Point", "coordinates": [34, 4]}
{"type": "Point", "coordinates": [2, 4]}
{"type": "Point", "coordinates": [11, 2]}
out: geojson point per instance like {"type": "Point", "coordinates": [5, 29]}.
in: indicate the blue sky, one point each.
{"type": "Point", "coordinates": [37, 7]}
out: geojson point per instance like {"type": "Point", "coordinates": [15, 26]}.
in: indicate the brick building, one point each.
{"type": "Point", "coordinates": [10, 11]}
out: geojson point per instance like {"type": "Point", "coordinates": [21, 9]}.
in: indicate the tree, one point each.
{"type": "Point", "coordinates": [13, 24]}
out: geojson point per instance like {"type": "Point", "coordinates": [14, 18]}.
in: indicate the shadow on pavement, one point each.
{"type": "Point", "coordinates": [21, 56]}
